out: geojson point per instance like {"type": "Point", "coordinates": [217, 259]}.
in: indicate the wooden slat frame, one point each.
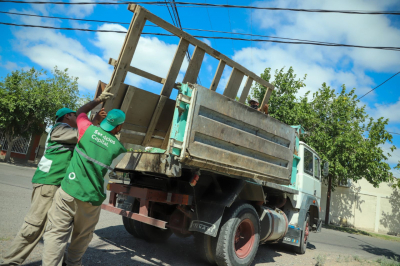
{"type": "Point", "coordinates": [266, 98]}
{"type": "Point", "coordinates": [234, 82]}
{"type": "Point", "coordinates": [126, 54]}
{"type": "Point", "coordinates": [139, 72]}
{"type": "Point", "coordinates": [246, 90]}
{"type": "Point", "coordinates": [154, 119]}
{"type": "Point", "coordinates": [214, 53]}
{"type": "Point", "coordinates": [217, 76]}
{"type": "Point", "coordinates": [175, 67]}
{"type": "Point", "coordinates": [193, 69]}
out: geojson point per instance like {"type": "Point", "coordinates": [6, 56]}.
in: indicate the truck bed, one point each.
{"type": "Point", "coordinates": [221, 135]}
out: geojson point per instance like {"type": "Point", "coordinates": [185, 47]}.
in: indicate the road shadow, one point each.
{"type": "Point", "coordinates": [117, 247]}
{"type": "Point", "coordinates": [372, 249]}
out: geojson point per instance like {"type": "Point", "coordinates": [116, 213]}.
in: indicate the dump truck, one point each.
{"type": "Point", "coordinates": [214, 168]}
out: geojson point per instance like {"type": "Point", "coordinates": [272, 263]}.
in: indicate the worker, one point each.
{"type": "Point", "coordinates": [76, 206]}
{"type": "Point", "coordinates": [60, 143]}
{"type": "Point", "coordinates": [254, 104]}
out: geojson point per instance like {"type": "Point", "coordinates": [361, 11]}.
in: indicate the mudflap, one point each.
{"type": "Point", "coordinates": [292, 236]}
{"type": "Point", "coordinates": [210, 208]}
{"type": "Point", "coordinates": [210, 215]}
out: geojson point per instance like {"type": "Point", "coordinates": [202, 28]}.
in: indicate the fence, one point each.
{"type": "Point", "coordinates": [20, 146]}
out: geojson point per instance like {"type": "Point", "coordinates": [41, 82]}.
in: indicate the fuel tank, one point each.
{"type": "Point", "coordinates": [274, 224]}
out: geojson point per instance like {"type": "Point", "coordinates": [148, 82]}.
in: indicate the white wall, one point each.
{"type": "Point", "coordinates": [364, 207]}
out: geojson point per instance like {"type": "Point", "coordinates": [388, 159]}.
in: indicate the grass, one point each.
{"type": "Point", "coordinates": [388, 261]}
{"type": "Point", "coordinates": [361, 232]}
{"type": "Point", "coordinates": [5, 238]}
{"type": "Point", "coordinates": [321, 259]}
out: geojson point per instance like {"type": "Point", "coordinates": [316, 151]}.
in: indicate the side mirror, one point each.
{"type": "Point", "coordinates": [325, 170]}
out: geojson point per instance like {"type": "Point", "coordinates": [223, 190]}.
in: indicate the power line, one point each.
{"type": "Point", "coordinates": [230, 27]}
{"type": "Point", "coordinates": [213, 31]}
{"type": "Point", "coordinates": [224, 32]}
{"type": "Point", "coordinates": [189, 4]}
{"type": "Point", "coordinates": [209, 19]}
{"type": "Point", "coordinates": [211, 37]}
{"type": "Point", "coordinates": [394, 133]}
{"type": "Point", "coordinates": [379, 85]}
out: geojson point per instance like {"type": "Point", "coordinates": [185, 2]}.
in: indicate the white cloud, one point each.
{"type": "Point", "coordinates": [335, 66]}
{"type": "Point", "coordinates": [79, 11]}
{"type": "Point", "coordinates": [9, 65]}
{"type": "Point", "coordinates": [151, 55]}
{"type": "Point", "coordinates": [395, 155]}
{"type": "Point", "coordinates": [390, 111]}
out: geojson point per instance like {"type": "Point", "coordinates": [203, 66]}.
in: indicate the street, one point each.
{"type": "Point", "coordinates": [112, 245]}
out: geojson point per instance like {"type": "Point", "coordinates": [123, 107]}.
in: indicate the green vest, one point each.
{"type": "Point", "coordinates": [54, 162]}
{"type": "Point", "coordinates": [92, 158]}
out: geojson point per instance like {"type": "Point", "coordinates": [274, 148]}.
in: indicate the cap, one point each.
{"type": "Point", "coordinates": [114, 118]}
{"type": "Point", "coordinates": [63, 111]}
{"type": "Point", "coordinates": [253, 100]}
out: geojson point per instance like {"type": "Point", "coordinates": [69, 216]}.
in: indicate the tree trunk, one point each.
{"type": "Point", "coordinates": [328, 200]}
{"type": "Point", "coordinates": [8, 154]}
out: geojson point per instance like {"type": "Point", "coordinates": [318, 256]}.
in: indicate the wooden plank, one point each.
{"type": "Point", "coordinates": [164, 145]}
{"type": "Point", "coordinates": [233, 85]}
{"type": "Point", "coordinates": [128, 98]}
{"type": "Point", "coordinates": [246, 90]}
{"type": "Point", "coordinates": [217, 76]}
{"type": "Point", "coordinates": [266, 98]}
{"type": "Point", "coordinates": [125, 57]}
{"type": "Point", "coordinates": [214, 53]}
{"type": "Point", "coordinates": [139, 72]}
{"type": "Point", "coordinates": [154, 119]}
{"type": "Point", "coordinates": [193, 69]}
{"type": "Point", "coordinates": [175, 67]}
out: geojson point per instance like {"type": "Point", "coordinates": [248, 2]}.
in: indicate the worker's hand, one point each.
{"type": "Point", "coordinates": [99, 117]}
{"type": "Point", "coordinates": [106, 94]}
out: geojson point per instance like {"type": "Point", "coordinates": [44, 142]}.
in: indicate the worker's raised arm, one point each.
{"type": "Point", "coordinates": [104, 96]}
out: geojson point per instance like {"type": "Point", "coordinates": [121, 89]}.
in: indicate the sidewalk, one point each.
{"type": "Point", "coordinates": [19, 162]}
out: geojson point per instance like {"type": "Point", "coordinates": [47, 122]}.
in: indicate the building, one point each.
{"type": "Point", "coordinates": [24, 149]}
{"type": "Point", "coordinates": [362, 206]}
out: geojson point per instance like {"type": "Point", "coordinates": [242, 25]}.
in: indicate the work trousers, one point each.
{"type": "Point", "coordinates": [65, 215]}
{"type": "Point", "coordinates": [33, 227]}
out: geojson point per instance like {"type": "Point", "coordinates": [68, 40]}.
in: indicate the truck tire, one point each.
{"type": "Point", "coordinates": [304, 237]}
{"type": "Point", "coordinates": [239, 236]}
{"type": "Point", "coordinates": [151, 233]}
{"type": "Point", "coordinates": [129, 224]}
{"type": "Point", "coordinates": [206, 246]}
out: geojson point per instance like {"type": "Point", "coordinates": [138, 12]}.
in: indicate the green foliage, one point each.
{"type": "Point", "coordinates": [29, 100]}
{"type": "Point", "coordinates": [338, 127]}
{"type": "Point", "coordinates": [283, 104]}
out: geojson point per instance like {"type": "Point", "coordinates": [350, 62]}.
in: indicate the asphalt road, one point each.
{"type": "Point", "coordinates": [112, 245]}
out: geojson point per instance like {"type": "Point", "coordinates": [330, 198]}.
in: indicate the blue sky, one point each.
{"type": "Point", "coordinates": [86, 54]}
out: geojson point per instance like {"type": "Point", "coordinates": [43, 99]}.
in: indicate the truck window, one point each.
{"type": "Point", "coordinates": [316, 168]}
{"type": "Point", "coordinates": [308, 162]}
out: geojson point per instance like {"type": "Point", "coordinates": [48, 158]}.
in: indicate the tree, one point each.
{"type": "Point", "coordinates": [338, 128]}
{"type": "Point", "coordinates": [29, 100]}
{"type": "Point", "coordinates": [345, 136]}
{"type": "Point", "coordinates": [284, 105]}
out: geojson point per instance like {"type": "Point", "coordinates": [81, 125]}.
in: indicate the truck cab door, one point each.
{"type": "Point", "coordinates": [307, 185]}
{"type": "Point", "coordinates": [317, 178]}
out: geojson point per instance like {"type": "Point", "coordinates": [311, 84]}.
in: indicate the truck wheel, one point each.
{"type": "Point", "coordinates": [206, 245]}
{"type": "Point", "coordinates": [239, 237]}
{"type": "Point", "coordinates": [304, 237]}
{"type": "Point", "coordinates": [129, 224]}
{"type": "Point", "coordinates": [151, 233]}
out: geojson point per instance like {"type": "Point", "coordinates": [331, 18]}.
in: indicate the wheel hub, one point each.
{"type": "Point", "coordinates": [244, 238]}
